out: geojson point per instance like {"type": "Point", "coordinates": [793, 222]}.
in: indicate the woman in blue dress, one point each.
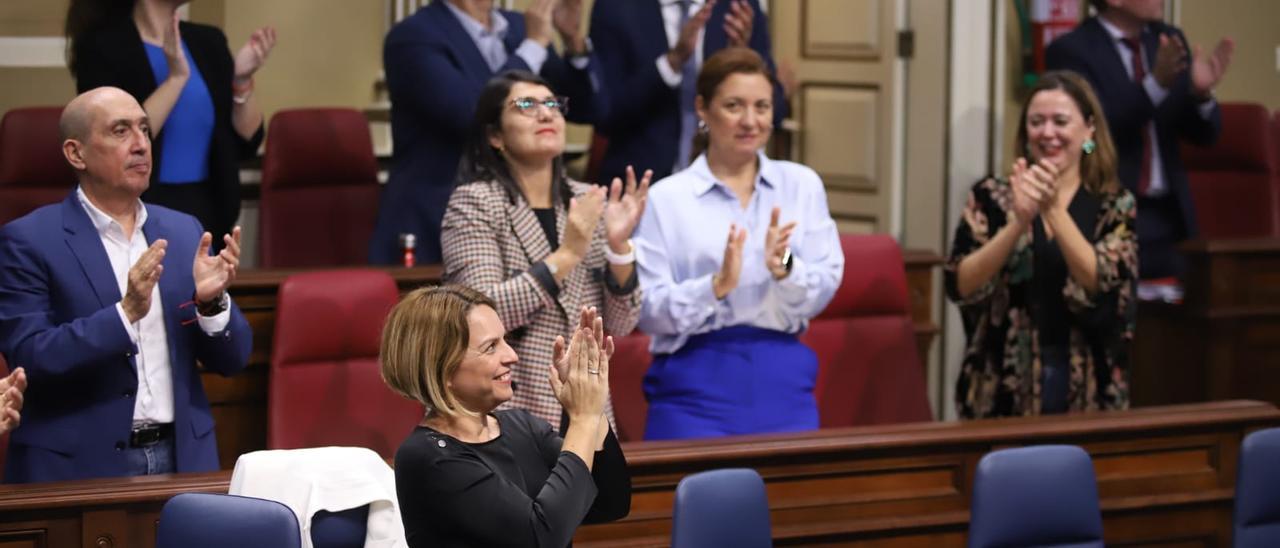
{"type": "Point", "coordinates": [198, 97]}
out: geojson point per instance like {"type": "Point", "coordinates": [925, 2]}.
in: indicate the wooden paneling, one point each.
{"type": "Point", "coordinates": [1166, 477]}
{"type": "Point", "coordinates": [841, 29]}
{"type": "Point", "coordinates": [1223, 341]}
{"type": "Point", "coordinates": [841, 142]}
{"type": "Point", "coordinates": [843, 53]}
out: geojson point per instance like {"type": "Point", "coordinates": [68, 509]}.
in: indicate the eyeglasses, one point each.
{"type": "Point", "coordinates": [528, 106]}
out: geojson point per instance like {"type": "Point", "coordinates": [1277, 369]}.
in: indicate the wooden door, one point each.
{"type": "Point", "coordinates": [844, 54]}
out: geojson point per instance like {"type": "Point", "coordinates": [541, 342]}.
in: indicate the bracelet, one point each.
{"type": "Point", "coordinates": [240, 94]}
{"type": "Point", "coordinates": [623, 259]}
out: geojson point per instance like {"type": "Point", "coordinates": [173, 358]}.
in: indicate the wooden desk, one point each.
{"type": "Point", "coordinates": [1165, 476]}
{"type": "Point", "coordinates": [1223, 341]}
{"type": "Point", "coordinates": [240, 402]}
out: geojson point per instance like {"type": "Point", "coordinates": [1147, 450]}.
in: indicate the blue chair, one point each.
{"type": "Point", "coordinates": [1044, 495]}
{"type": "Point", "coordinates": [201, 520]}
{"type": "Point", "coordinates": [1257, 513]}
{"type": "Point", "coordinates": [345, 529]}
{"type": "Point", "coordinates": [721, 508]}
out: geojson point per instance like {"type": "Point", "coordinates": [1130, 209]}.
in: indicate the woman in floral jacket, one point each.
{"type": "Point", "coordinates": [1043, 266]}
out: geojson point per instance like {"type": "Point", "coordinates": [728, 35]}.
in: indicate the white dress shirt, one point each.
{"type": "Point", "coordinates": [491, 40]}
{"type": "Point", "coordinates": [154, 400]}
{"type": "Point", "coordinates": [671, 23]}
{"type": "Point", "coordinates": [1156, 93]}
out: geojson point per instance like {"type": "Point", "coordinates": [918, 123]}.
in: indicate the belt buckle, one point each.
{"type": "Point", "coordinates": [145, 436]}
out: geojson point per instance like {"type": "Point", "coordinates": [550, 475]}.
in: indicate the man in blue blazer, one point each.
{"type": "Point", "coordinates": [436, 62]}
{"type": "Point", "coordinates": [108, 303]}
{"type": "Point", "coordinates": [646, 56]}
{"type": "Point", "coordinates": [1169, 97]}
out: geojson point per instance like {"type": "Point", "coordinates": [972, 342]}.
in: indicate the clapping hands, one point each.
{"type": "Point", "coordinates": [579, 375]}
{"type": "Point", "coordinates": [623, 210]}
{"type": "Point", "coordinates": [213, 273]}
{"type": "Point", "coordinates": [254, 53]}
{"type": "Point", "coordinates": [1035, 188]}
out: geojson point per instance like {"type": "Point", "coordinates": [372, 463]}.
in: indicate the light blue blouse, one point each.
{"type": "Point", "coordinates": [680, 244]}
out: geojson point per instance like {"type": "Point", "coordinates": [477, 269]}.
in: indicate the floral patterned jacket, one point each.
{"type": "Point", "coordinates": [1001, 369]}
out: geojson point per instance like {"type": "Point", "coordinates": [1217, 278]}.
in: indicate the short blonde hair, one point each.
{"type": "Point", "coordinates": [423, 342]}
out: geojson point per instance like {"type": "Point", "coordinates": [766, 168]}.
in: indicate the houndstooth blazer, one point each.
{"type": "Point", "coordinates": [489, 244]}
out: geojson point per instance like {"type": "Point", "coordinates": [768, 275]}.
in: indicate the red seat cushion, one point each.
{"type": "Point", "coordinates": [33, 171]}
{"type": "Point", "coordinates": [319, 189]}
{"type": "Point", "coordinates": [869, 371]}
{"type": "Point", "coordinates": [325, 386]}
{"type": "Point", "coordinates": [1231, 181]}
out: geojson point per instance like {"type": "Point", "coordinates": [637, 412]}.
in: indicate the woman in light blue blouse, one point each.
{"type": "Point", "coordinates": [736, 253]}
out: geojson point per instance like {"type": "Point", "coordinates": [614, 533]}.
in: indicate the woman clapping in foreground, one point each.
{"type": "Point", "coordinates": [472, 476]}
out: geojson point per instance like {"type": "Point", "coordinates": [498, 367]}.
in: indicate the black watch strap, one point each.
{"type": "Point", "coordinates": [213, 308]}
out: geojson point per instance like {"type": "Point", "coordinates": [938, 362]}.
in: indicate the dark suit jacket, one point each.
{"type": "Point", "coordinates": [1090, 51]}
{"type": "Point", "coordinates": [640, 114]}
{"type": "Point", "coordinates": [434, 76]}
{"type": "Point", "coordinates": [58, 319]}
{"type": "Point", "coordinates": [115, 56]}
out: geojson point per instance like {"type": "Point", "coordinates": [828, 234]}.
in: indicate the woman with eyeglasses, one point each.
{"type": "Point", "coordinates": [540, 245]}
{"type": "Point", "coordinates": [740, 252]}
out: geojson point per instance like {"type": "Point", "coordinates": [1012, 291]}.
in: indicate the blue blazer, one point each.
{"type": "Point", "coordinates": [1089, 51]}
{"type": "Point", "coordinates": [58, 319]}
{"type": "Point", "coordinates": [639, 113]}
{"type": "Point", "coordinates": [434, 76]}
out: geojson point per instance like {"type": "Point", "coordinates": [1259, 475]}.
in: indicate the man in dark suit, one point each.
{"type": "Point", "coordinates": [437, 60]}
{"type": "Point", "coordinates": [108, 303]}
{"type": "Point", "coordinates": [1155, 90]}
{"type": "Point", "coordinates": [650, 52]}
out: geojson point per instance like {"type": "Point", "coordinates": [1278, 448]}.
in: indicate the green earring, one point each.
{"type": "Point", "coordinates": [1089, 146]}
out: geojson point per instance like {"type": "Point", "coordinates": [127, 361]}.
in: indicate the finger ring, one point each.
{"type": "Point", "coordinates": [593, 371]}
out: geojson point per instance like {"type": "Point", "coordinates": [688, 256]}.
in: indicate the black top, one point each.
{"type": "Point", "coordinates": [114, 55]}
{"type": "Point", "coordinates": [1049, 309]}
{"type": "Point", "coordinates": [547, 218]}
{"type": "Point", "coordinates": [518, 489]}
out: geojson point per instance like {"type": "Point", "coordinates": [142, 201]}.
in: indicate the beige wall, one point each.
{"type": "Point", "coordinates": [1255, 27]}
{"type": "Point", "coordinates": [329, 51]}
{"type": "Point", "coordinates": [33, 86]}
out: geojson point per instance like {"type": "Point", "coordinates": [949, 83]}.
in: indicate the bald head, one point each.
{"type": "Point", "coordinates": [78, 116]}
{"type": "Point", "coordinates": [107, 140]}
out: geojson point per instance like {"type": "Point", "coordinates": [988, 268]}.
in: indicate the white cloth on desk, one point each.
{"type": "Point", "coordinates": [325, 478]}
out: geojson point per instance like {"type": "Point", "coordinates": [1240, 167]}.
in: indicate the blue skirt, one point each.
{"type": "Point", "coordinates": [738, 380]}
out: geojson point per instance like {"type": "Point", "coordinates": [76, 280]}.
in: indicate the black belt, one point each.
{"type": "Point", "coordinates": [151, 434]}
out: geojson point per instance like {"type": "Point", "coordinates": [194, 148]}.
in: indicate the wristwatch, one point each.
{"type": "Point", "coordinates": [214, 307]}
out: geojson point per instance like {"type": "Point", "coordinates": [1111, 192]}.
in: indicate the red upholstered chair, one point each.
{"type": "Point", "coordinates": [869, 371]}
{"type": "Point", "coordinates": [325, 388]}
{"type": "Point", "coordinates": [319, 189]}
{"type": "Point", "coordinates": [595, 157]}
{"type": "Point", "coordinates": [33, 171]}
{"type": "Point", "coordinates": [630, 362]}
{"type": "Point", "coordinates": [1231, 182]}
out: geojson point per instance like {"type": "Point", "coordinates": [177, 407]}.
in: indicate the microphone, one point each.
{"type": "Point", "coordinates": [513, 385]}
